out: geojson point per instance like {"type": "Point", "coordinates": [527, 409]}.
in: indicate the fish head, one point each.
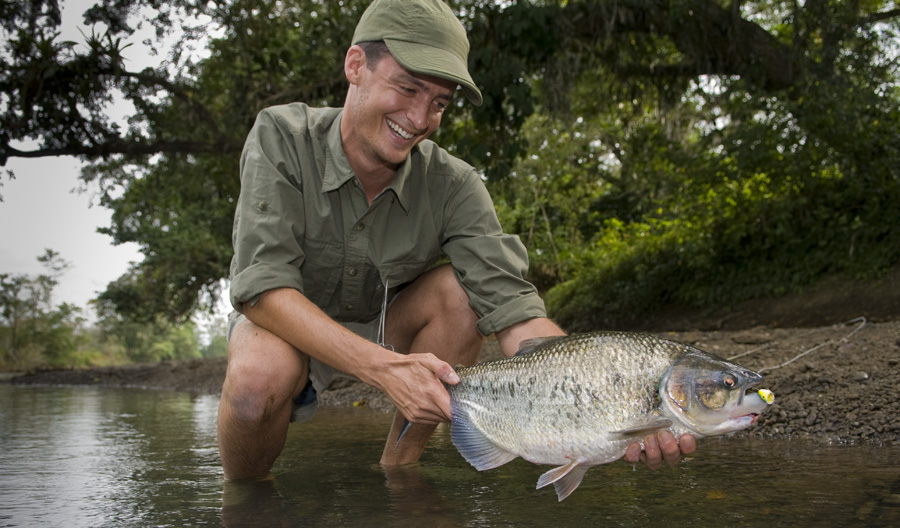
{"type": "Point", "coordinates": [711, 396]}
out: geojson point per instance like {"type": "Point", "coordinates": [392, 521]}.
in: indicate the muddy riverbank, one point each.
{"type": "Point", "coordinates": [843, 388]}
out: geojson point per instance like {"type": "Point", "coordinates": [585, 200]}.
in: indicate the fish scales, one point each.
{"type": "Point", "coordinates": [600, 380]}
{"type": "Point", "coordinates": [576, 401]}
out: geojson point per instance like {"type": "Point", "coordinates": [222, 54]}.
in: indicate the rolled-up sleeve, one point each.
{"type": "Point", "coordinates": [490, 265]}
{"type": "Point", "coordinates": [267, 224]}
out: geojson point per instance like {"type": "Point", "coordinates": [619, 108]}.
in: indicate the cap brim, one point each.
{"type": "Point", "coordinates": [427, 60]}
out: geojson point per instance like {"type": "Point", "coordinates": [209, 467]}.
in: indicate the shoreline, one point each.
{"type": "Point", "coordinates": [841, 386]}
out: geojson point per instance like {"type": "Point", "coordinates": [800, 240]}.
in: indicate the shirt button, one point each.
{"type": "Point", "coordinates": [352, 272]}
{"type": "Point", "coordinates": [349, 307]}
{"type": "Point", "coordinates": [360, 227]}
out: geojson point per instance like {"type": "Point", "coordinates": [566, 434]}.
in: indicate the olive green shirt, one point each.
{"type": "Point", "coordinates": [303, 222]}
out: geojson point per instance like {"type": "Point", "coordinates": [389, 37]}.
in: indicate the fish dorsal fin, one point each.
{"type": "Point", "coordinates": [647, 424]}
{"type": "Point", "coordinates": [564, 478]}
{"type": "Point", "coordinates": [471, 443]}
{"type": "Point", "coordinates": [529, 345]}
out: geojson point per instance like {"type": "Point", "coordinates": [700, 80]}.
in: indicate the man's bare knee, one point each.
{"type": "Point", "coordinates": [263, 374]}
{"type": "Point", "coordinates": [456, 303]}
{"type": "Point", "coordinates": [448, 294]}
{"type": "Point", "coordinates": [433, 315]}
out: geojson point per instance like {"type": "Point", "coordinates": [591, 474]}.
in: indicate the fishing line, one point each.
{"type": "Point", "coordinates": [813, 331]}
{"type": "Point", "coordinates": [769, 344]}
{"type": "Point", "coordinates": [384, 305]}
{"type": "Point", "coordinates": [862, 322]}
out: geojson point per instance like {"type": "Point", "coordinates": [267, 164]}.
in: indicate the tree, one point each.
{"type": "Point", "coordinates": [31, 321]}
{"type": "Point", "coordinates": [818, 55]}
{"type": "Point", "coordinates": [736, 167]}
{"type": "Point", "coordinates": [11, 287]}
{"type": "Point", "coordinates": [171, 178]}
{"type": "Point", "coordinates": [143, 340]}
{"type": "Point", "coordinates": [689, 100]}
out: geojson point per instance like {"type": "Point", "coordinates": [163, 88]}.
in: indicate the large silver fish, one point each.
{"type": "Point", "coordinates": [578, 401]}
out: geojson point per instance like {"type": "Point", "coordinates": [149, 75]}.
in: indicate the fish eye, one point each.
{"type": "Point", "coordinates": [730, 381]}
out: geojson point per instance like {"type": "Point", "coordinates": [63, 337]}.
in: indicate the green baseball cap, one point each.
{"type": "Point", "coordinates": [423, 36]}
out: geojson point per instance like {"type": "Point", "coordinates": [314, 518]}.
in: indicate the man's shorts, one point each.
{"type": "Point", "coordinates": [320, 374]}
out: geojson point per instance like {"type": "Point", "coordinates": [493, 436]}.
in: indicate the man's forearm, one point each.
{"type": "Point", "coordinates": [288, 314]}
{"type": "Point", "coordinates": [412, 382]}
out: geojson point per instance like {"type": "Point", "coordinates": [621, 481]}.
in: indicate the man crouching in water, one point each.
{"type": "Point", "coordinates": [342, 207]}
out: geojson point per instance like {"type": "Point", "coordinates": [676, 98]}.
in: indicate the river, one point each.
{"type": "Point", "coordinates": [86, 457]}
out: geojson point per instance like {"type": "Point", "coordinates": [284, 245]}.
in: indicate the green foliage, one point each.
{"type": "Point", "coordinates": [186, 253]}
{"type": "Point", "coordinates": [217, 347]}
{"type": "Point", "coordinates": [628, 271]}
{"type": "Point", "coordinates": [547, 199]}
{"type": "Point", "coordinates": [35, 333]}
{"type": "Point", "coordinates": [699, 152]}
{"type": "Point", "coordinates": [30, 322]}
{"type": "Point", "coordinates": [731, 187]}
{"type": "Point", "coordinates": [771, 217]}
{"type": "Point", "coordinates": [179, 207]}
{"type": "Point", "coordinates": [147, 341]}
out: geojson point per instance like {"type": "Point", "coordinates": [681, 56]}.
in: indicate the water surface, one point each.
{"type": "Point", "coordinates": [82, 457]}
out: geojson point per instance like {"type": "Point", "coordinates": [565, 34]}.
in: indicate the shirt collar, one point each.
{"type": "Point", "coordinates": [338, 171]}
{"type": "Point", "coordinates": [337, 166]}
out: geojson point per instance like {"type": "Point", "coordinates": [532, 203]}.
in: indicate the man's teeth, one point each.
{"type": "Point", "coordinates": [396, 128]}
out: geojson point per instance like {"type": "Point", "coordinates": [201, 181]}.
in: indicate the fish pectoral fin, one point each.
{"type": "Point", "coordinates": [641, 429]}
{"type": "Point", "coordinates": [564, 478]}
{"type": "Point", "coordinates": [472, 444]}
{"type": "Point", "coordinates": [406, 425]}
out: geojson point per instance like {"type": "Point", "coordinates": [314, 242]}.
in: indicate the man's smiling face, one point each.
{"type": "Point", "coordinates": [389, 110]}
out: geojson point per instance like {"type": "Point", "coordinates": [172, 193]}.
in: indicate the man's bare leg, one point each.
{"type": "Point", "coordinates": [264, 375]}
{"type": "Point", "coordinates": [430, 315]}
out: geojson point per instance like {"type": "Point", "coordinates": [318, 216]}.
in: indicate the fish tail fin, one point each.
{"type": "Point", "coordinates": [564, 478]}
{"type": "Point", "coordinates": [472, 444]}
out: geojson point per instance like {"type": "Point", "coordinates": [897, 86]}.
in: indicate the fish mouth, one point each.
{"type": "Point", "coordinates": [737, 423]}
{"type": "Point", "coordinates": [743, 415]}
{"type": "Point", "coordinates": [753, 416]}
{"type": "Point", "coordinates": [748, 400]}
{"type": "Point", "coordinates": [767, 397]}
{"type": "Point", "coordinates": [755, 401]}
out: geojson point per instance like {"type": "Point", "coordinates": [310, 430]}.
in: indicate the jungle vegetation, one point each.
{"type": "Point", "coordinates": [648, 152]}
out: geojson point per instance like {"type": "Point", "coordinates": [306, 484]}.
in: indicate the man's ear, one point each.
{"type": "Point", "coordinates": [354, 62]}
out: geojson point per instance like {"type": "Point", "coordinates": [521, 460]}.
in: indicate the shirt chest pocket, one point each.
{"type": "Point", "coordinates": [321, 270]}
{"type": "Point", "coordinates": [405, 253]}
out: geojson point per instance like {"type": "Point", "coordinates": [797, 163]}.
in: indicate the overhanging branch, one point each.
{"type": "Point", "coordinates": [879, 17]}
{"type": "Point", "coordinates": [124, 148]}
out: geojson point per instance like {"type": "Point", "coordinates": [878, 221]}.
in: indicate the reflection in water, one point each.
{"type": "Point", "coordinates": [246, 502]}
{"type": "Point", "coordinates": [88, 458]}
{"type": "Point", "coordinates": [414, 501]}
